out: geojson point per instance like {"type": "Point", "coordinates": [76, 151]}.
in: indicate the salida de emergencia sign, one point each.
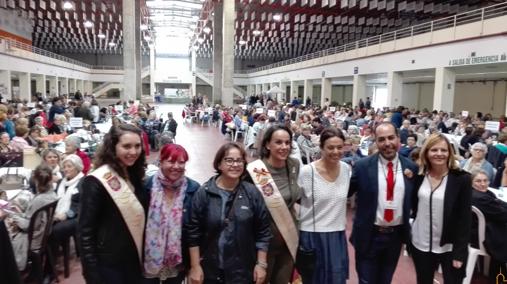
{"type": "Point", "coordinates": [478, 60]}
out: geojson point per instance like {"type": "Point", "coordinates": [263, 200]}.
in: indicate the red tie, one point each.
{"type": "Point", "coordinates": [388, 213]}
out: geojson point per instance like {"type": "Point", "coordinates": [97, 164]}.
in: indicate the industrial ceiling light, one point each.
{"type": "Point", "coordinates": [111, 44]}
{"type": "Point", "coordinates": [200, 40]}
{"type": "Point", "coordinates": [67, 5]}
{"type": "Point", "coordinates": [206, 30]}
{"type": "Point", "coordinates": [277, 17]}
{"type": "Point", "coordinates": [144, 27]}
{"type": "Point", "coordinates": [147, 38]}
{"type": "Point", "coordinates": [101, 36]}
{"type": "Point", "coordinates": [256, 32]}
{"type": "Point", "coordinates": [242, 42]}
{"type": "Point", "coordinates": [88, 24]}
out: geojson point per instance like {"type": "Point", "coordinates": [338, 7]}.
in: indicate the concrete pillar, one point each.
{"type": "Point", "coordinates": [293, 90]}
{"type": "Point", "coordinates": [193, 91]}
{"type": "Point", "coordinates": [79, 85]}
{"type": "Point", "coordinates": [217, 52]}
{"type": "Point", "coordinates": [308, 91]}
{"type": "Point", "coordinates": [152, 70]}
{"type": "Point", "coordinates": [283, 96]}
{"type": "Point", "coordinates": [258, 89]}
{"type": "Point", "coordinates": [40, 84]}
{"type": "Point", "coordinates": [88, 87]}
{"type": "Point", "coordinates": [132, 50]}
{"type": "Point", "coordinates": [445, 81]}
{"type": "Point", "coordinates": [228, 44]}
{"type": "Point", "coordinates": [25, 87]}
{"type": "Point", "coordinates": [358, 89]}
{"type": "Point", "coordinates": [394, 88]}
{"type": "Point", "coordinates": [325, 90]}
{"type": "Point", "coordinates": [53, 87]}
{"type": "Point", "coordinates": [64, 85]}
{"type": "Point", "coordinates": [5, 84]}
{"type": "Point", "coordinates": [72, 85]}
{"type": "Point", "coordinates": [249, 90]}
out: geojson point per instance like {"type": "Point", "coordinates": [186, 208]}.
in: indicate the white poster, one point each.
{"type": "Point", "coordinates": [76, 122]}
{"type": "Point", "coordinates": [493, 126]}
{"type": "Point", "coordinates": [272, 113]}
{"type": "Point", "coordinates": [259, 110]}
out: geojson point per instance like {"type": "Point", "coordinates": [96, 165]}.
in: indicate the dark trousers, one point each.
{"type": "Point", "coordinates": [377, 266]}
{"type": "Point", "coordinates": [126, 274]}
{"type": "Point", "coordinates": [175, 280]}
{"type": "Point", "coordinates": [427, 262]}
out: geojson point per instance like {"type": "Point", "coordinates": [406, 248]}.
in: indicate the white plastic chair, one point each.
{"type": "Point", "coordinates": [239, 131]}
{"type": "Point", "coordinates": [473, 253]}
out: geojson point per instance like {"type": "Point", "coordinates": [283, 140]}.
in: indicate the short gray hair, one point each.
{"type": "Point", "coordinates": [75, 160]}
{"type": "Point", "coordinates": [480, 146]}
{"type": "Point", "coordinates": [73, 140]}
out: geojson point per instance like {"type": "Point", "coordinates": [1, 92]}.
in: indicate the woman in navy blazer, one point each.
{"type": "Point", "coordinates": [442, 213]}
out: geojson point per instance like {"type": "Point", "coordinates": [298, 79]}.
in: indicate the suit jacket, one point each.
{"type": "Point", "coordinates": [457, 211]}
{"type": "Point", "coordinates": [364, 182]}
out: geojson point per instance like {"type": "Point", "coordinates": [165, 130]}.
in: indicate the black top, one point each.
{"type": "Point", "coordinates": [104, 237]}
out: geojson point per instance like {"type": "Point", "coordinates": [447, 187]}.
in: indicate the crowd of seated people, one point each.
{"type": "Point", "coordinates": [176, 228]}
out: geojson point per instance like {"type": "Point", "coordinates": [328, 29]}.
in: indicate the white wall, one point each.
{"type": "Point", "coordinates": [483, 96]}
{"type": "Point", "coordinates": [486, 97]}
{"type": "Point", "coordinates": [11, 22]}
{"type": "Point", "coordinates": [173, 70]}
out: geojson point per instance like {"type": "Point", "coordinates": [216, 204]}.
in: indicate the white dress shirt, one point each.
{"type": "Point", "coordinates": [429, 222]}
{"type": "Point", "coordinates": [399, 192]}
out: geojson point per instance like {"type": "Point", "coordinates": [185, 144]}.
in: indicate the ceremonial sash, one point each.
{"type": "Point", "coordinates": [276, 205]}
{"type": "Point", "coordinates": [123, 196]}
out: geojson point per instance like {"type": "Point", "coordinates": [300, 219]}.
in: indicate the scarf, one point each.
{"type": "Point", "coordinates": [162, 247]}
{"type": "Point", "coordinates": [65, 190]}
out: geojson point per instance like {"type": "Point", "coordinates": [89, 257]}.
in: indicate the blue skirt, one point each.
{"type": "Point", "coordinates": [332, 265]}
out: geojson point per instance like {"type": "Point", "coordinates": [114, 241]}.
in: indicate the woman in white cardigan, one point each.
{"type": "Point", "coordinates": [66, 211]}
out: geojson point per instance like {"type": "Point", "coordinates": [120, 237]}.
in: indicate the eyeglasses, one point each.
{"type": "Point", "coordinates": [231, 161]}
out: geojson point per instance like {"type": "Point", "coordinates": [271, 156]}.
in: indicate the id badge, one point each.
{"type": "Point", "coordinates": [391, 205]}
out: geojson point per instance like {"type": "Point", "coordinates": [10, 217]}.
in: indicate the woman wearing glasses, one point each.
{"type": "Point", "coordinates": [228, 231]}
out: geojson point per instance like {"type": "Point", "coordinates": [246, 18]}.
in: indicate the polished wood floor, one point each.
{"type": "Point", "coordinates": [201, 143]}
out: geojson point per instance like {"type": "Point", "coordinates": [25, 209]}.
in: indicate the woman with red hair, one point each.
{"type": "Point", "coordinates": [170, 194]}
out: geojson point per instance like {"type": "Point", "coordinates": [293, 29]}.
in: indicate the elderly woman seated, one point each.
{"type": "Point", "coordinates": [67, 208]}
{"type": "Point", "coordinates": [478, 161]}
{"type": "Point", "coordinates": [495, 213]}
{"type": "Point", "coordinates": [5, 141]}
{"type": "Point", "coordinates": [20, 214]}
{"type": "Point", "coordinates": [19, 142]}
{"type": "Point", "coordinates": [72, 146]}
{"type": "Point", "coordinates": [304, 141]}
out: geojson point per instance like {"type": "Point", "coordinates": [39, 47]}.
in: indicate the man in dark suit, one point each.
{"type": "Point", "coordinates": [383, 183]}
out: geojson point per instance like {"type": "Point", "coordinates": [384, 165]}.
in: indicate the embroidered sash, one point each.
{"type": "Point", "coordinates": [123, 196]}
{"type": "Point", "coordinates": [276, 205]}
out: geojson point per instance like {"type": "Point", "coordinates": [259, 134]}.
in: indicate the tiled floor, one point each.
{"type": "Point", "coordinates": [201, 144]}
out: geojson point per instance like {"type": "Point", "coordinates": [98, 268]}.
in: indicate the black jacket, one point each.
{"type": "Point", "coordinates": [248, 231]}
{"type": "Point", "coordinates": [172, 126]}
{"type": "Point", "coordinates": [104, 238]}
{"type": "Point", "coordinates": [457, 211]}
{"type": "Point", "coordinates": [495, 213]}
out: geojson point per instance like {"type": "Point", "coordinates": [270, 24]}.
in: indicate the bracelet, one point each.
{"type": "Point", "coordinates": [262, 264]}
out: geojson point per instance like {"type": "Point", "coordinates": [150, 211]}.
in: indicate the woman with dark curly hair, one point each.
{"type": "Point", "coordinates": [113, 206]}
